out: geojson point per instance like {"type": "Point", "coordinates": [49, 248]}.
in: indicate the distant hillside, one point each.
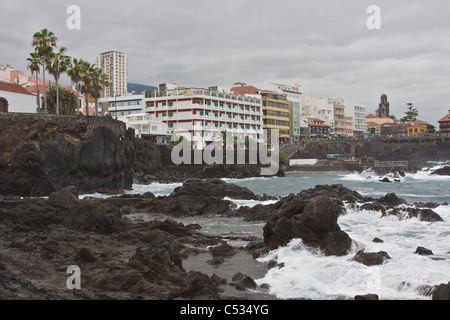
{"type": "Point", "coordinates": [138, 88]}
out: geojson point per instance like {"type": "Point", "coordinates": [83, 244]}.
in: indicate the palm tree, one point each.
{"type": "Point", "coordinates": [58, 63]}
{"type": "Point", "coordinates": [44, 41]}
{"type": "Point", "coordinates": [86, 77]}
{"type": "Point", "coordinates": [34, 64]}
{"type": "Point", "coordinates": [75, 73]}
{"type": "Point", "coordinates": [99, 81]}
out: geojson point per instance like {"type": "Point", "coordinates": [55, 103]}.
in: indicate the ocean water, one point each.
{"type": "Point", "coordinates": [307, 273]}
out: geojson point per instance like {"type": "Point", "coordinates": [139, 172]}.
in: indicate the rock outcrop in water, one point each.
{"type": "Point", "coordinates": [42, 154]}
{"type": "Point", "coordinates": [444, 171]}
{"type": "Point", "coordinates": [314, 221]}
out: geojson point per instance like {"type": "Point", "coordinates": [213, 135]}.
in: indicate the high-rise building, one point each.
{"type": "Point", "coordinates": [114, 64]}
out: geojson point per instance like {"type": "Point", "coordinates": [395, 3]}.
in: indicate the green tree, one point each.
{"type": "Point", "coordinates": [75, 72]}
{"type": "Point", "coordinates": [99, 82]}
{"type": "Point", "coordinates": [411, 113]}
{"type": "Point", "coordinates": [34, 64]}
{"type": "Point", "coordinates": [44, 42]}
{"type": "Point", "coordinates": [58, 63]}
{"type": "Point", "coordinates": [86, 77]}
{"type": "Point", "coordinates": [67, 101]}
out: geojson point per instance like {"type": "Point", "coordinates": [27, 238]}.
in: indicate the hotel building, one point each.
{"type": "Point", "coordinates": [204, 114]}
{"type": "Point", "coordinates": [114, 64]}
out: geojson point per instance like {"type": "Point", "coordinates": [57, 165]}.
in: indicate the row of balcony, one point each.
{"type": "Point", "coordinates": [240, 119]}
{"type": "Point", "coordinates": [214, 107]}
{"type": "Point", "coordinates": [189, 92]}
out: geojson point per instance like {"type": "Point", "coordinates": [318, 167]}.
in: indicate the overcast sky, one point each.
{"type": "Point", "coordinates": [323, 45]}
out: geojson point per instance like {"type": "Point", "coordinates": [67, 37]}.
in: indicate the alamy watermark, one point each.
{"type": "Point", "coordinates": [374, 20]}
{"type": "Point", "coordinates": [74, 281]}
{"type": "Point", "coordinates": [222, 150]}
{"type": "Point", "coordinates": [73, 22]}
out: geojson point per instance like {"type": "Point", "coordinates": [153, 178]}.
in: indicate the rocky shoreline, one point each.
{"type": "Point", "coordinates": [124, 257]}
{"type": "Point", "coordinates": [45, 227]}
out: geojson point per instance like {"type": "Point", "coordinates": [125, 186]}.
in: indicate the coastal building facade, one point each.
{"type": "Point", "coordinates": [419, 127]}
{"type": "Point", "coordinates": [122, 106]}
{"type": "Point", "coordinates": [204, 114]}
{"type": "Point", "coordinates": [359, 121]}
{"type": "Point", "coordinates": [373, 124]}
{"type": "Point", "coordinates": [114, 65]}
{"type": "Point", "coordinates": [330, 110]}
{"type": "Point", "coordinates": [275, 108]}
{"type": "Point", "coordinates": [444, 124]}
{"type": "Point", "coordinates": [145, 125]}
{"type": "Point", "coordinates": [294, 97]}
{"type": "Point", "coordinates": [318, 128]}
{"type": "Point", "coordinates": [15, 98]}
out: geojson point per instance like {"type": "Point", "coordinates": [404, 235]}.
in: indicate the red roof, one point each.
{"type": "Point", "coordinates": [445, 118]}
{"type": "Point", "coordinates": [372, 124]}
{"type": "Point", "coordinates": [33, 89]}
{"type": "Point", "coordinates": [316, 120]}
{"type": "Point", "coordinates": [13, 87]}
{"type": "Point", "coordinates": [371, 116]}
{"type": "Point", "coordinates": [245, 90]}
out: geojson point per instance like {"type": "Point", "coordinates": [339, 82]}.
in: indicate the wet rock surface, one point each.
{"type": "Point", "coordinates": [41, 154]}
{"type": "Point", "coordinates": [131, 246]}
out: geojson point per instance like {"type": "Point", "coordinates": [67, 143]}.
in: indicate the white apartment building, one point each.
{"type": "Point", "coordinates": [114, 64]}
{"type": "Point", "coordinates": [330, 110]}
{"type": "Point", "coordinates": [319, 108]}
{"type": "Point", "coordinates": [122, 105]}
{"type": "Point", "coordinates": [143, 123]}
{"type": "Point", "coordinates": [359, 120]}
{"type": "Point", "coordinates": [202, 115]}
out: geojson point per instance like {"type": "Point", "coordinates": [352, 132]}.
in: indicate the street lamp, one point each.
{"type": "Point", "coordinates": [115, 103]}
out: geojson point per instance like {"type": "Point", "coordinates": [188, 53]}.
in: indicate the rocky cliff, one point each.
{"type": "Point", "coordinates": [41, 154]}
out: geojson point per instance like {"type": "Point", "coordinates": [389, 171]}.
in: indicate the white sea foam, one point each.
{"type": "Point", "coordinates": [158, 189]}
{"type": "Point", "coordinates": [309, 274]}
{"type": "Point", "coordinates": [425, 174]}
{"type": "Point", "coordinates": [249, 203]}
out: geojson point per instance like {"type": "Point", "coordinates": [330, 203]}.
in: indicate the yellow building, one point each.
{"type": "Point", "coordinates": [275, 108]}
{"type": "Point", "coordinates": [419, 127]}
{"type": "Point", "coordinates": [373, 124]}
{"type": "Point", "coordinates": [276, 113]}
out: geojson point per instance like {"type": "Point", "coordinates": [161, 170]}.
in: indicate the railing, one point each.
{"type": "Point", "coordinates": [390, 164]}
{"type": "Point", "coordinates": [201, 92]}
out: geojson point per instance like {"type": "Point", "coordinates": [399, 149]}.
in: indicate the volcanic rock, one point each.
{"type": "Point", "coordinates": [42, 154]}
{"type": "Point", "coordinates": [371, 258]}
{"type": "Point", "coordinates": [444, 171]}
{"type": "Point", "coordinates": [314, 221]}
{"type": "Point", "coordinates": [423, 251]}
{"type": "Point", "coordinates": [441, 292]}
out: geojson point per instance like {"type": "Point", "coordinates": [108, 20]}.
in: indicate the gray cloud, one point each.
{"type": "Point", "coordinates": [323, 45]}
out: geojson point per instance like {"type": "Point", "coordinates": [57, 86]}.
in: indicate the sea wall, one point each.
{"type": "Point", "coordinates": [415, 150]}
{"type": "Point", "coordinates": [41, 154]}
